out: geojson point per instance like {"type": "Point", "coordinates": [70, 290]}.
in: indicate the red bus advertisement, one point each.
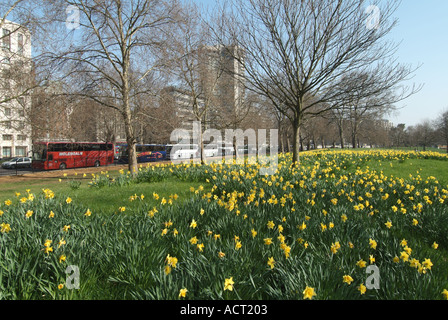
{"type": "Point", "coordinates": [63, 155]}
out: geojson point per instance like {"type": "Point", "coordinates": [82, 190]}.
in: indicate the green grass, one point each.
{"type": "Point", "coordinates": [408, 168]}
{"type": "Point", "coordinates": [100, 200]}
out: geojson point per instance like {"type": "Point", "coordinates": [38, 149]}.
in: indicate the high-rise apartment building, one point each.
{"type": "Point", "coordinates": [15, 105]}
{"type": "Point", "coordinates": [226, 72]}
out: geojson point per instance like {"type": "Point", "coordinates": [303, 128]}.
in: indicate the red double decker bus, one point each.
{"type": "Point", "coordinates": [63, 155]}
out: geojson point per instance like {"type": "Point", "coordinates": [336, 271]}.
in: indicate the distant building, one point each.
{"type": "Point", "coordinates": [178, 103]}
{"type": "Point", "coordinates": [226, 62]}
{"type": "Point", "coordinates": [15, 105]}
{"type": "Point", "coordinates": [220, 85]}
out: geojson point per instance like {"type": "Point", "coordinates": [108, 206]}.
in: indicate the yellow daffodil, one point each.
{"type": "Point", "coordinates": [308, 293]}
{"type": "Point", "coordinates": [347, 279]}
{"type": "Point", "coordinates": [254, 233]}
{"type": "Point", "coordinates": [373, 244]}
{"type": "Point", "coordinates": [445, 294]}
{"type": "Point", "coordinates": [361, 263]}
{"type": "Point", "coordinates": [238, 245]}
{"type": "Point", "coordinates": [228, 284]}
{"type": "Point", "coordinates": [29, 213]}
{"type": "Point", "coordinates": [427, 264]}
{"type": "Point", "coordinates": [271, 262]}
{"type": "Point", "coordinates": [362, 289]}
{"type": "Point", "coordinates": [183, 293]}
{"type": "Point", "coordinates": [404, 256]}
{"type": "Point", "coordinates": [5, 228]}
{"type": "Point", "coordinates": [61, 242]}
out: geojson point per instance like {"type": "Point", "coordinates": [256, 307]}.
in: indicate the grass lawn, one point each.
{"type": "Point", "coordinates": [100, 200]}
{"type": "Point", "coordinates": [424, 168]}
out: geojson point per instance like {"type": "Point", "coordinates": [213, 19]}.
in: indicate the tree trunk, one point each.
{"type": "Point", "coordinates": [130, 139]}
{"type": "Point", "coordinates": [282, 143]}
{"type": "Point", "coordinates": [296, 143]}
{"type": "Point", "coordinates": [341, 133]}
{"type": "Point", "coordinates": [353, 140]}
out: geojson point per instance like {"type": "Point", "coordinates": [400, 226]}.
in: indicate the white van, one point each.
{"type": "Point", "coordinates": [182, 151]}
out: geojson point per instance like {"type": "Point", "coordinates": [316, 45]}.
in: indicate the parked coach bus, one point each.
{"type": "Point", "coordinates": [62, 155]}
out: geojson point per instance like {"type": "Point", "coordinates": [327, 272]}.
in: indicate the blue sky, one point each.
{"type": "Point", "coordinates": [423, 34]}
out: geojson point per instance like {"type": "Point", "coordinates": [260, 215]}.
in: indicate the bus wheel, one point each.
{"type": "Point", "coordinates": [96, 164]}
{"type": "Point", "coordinates": [62, 166]}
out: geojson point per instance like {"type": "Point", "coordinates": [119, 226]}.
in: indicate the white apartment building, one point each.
{"type": "Point", "coordinates": [15, 105]}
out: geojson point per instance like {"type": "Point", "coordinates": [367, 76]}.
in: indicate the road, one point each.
{"type": "Point", "coordinates": [13, 172]}
{"type": "Point", "coordinates": [22, 171]}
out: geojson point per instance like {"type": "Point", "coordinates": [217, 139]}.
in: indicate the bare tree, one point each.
{"type": "Point", "coordinates": [205, 75]}
{"type": "Point", "coordinates": [424, 134]}
{"type": "Point", "coordinates": [364, 98]}
{"type": "Point", "coordinates": [300, 49]}
{"type": "Point", "coordinates": [398, 135]}
{"type": "Point", "coordinates": [441, 124]}
{"type": "Point", "coordinates": [113, 49]}
{"type": "Point", "coordinates": [375, 132]}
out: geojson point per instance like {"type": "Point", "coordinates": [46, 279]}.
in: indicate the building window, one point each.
{"type": "Point", "coordinates": [7, 137]}
{"type": "Point", "coordinates": [8, 125]}
{"type": "Point", "coordinates": [6, 152]}
{"type": "Point", "coordinates": [20, 44]}
{"type": "Point", "coordinates": [7, 112]}
{"type": "Point", "coordinates": [20, 151]}
{"type": "Point", "coordinates": [21, 137]}
{"type": "Point", "coordinates": [6, 39]}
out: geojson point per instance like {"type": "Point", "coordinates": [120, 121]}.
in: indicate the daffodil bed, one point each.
{"type": "Point", "coordinates": [307, 232]}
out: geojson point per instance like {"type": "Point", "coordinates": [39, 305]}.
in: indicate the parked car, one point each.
{"type": "Point", "coordinates": [22, 162]}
